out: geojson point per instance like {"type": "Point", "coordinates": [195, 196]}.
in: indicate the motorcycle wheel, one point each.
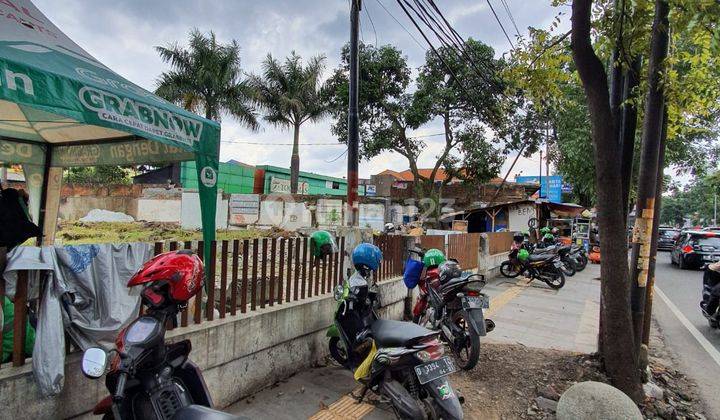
{"type": "Point", "coordinates": [338, 351]}
{"type": "Point", "coordinates": [568, 267]}
{"type": "Point", "coordinates": [557, 280]}
{"type": "Point", "coordinates": [582, 262]}
{"type": "Point", "coordinates": [466, 357]}
{"type": "Point", "coordinates": [509, 270]}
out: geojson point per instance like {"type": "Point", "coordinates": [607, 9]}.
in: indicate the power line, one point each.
{"type": "Point", "coordinates": [512, 19]}
{"type": "Point", "coordinates": [258, 143]}
{"type": "Point", "coordinates": [367, 12]}
{"type": "Point", "coordinates": [500, 23]}
{"type": "Point", "coordinates": [401, 25]}
{"type": "Point", "coordinates": [456, 42]}
{"type": "Point", "coordinates": [278, 144]}
{"type": "Point", "coordinates": [450, 47]}
{"type": "Point", "coordinates": [338, 157]}
{"type": "Point", "coordinates": [435, 51]}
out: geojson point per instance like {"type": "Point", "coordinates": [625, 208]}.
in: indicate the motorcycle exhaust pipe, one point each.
{"type": "Point", "coordinates": [489, 325]}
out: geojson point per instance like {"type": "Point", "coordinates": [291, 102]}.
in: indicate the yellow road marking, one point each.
{"type": "Point", "coordinates": [346, 408]}
{"type": "Point", "coordinates": [503, 298]}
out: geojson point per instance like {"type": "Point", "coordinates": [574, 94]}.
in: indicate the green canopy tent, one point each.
{"type": "Point", "coordinates": [60, 107]}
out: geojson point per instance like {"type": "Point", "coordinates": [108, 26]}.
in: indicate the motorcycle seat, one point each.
{"type": "Point", "coordinates": [547, 249]}
{"type": "Point", "coordinates": [197, 412]}
{"type": "Point", "coordinates": [388, 333]}
{"type": "Point", "coordinates": [539, 257]}
{"type": "Point", "coordinates": [453, 282]}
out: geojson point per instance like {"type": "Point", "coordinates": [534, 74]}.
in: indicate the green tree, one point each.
{"type": "Point", "coordinates": [107, 174]}
{"type": "Point", "coordinates": [206, 77]}
{"type": "Point", "coordinates": [291, 94]}
{"type": "Point", "coordinates": [468, 97]}
{"type": "Point", "coordinates": [388, 112]}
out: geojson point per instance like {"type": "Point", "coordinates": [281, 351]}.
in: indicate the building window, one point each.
{"type": "Point", "coordinates": [335, 185]}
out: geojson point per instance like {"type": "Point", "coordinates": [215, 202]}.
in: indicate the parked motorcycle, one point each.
{"type": "Point", "coordinates": [537, 263]}
{"type": "Point", "coordinates": [580, 256]}
{"type": "Point", "coordinates": [400, 361]}
{"type": "Point", "coordinates": [710, 304]}
{"type": "Point", "coordinates": [149, 379]}
{"type": "Point", "coordinates": [546, 267]}
{"type": "Point", "coordinates": [551, 244]}
{"type": "Point", "coordinates": [452, 304]}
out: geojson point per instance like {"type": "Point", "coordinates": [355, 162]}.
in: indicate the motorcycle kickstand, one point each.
{"type": "Point", "coordinates": [363, 392]}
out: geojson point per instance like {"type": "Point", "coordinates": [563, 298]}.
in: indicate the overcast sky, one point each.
{"type": "Point", "coordinates": [122, 35]}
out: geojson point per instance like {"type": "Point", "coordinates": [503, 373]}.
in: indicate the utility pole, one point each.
{"type": "Point", "coordinates": [353, 131]}
{"type": "Point", "coordinates": [715, 209]}
{"type": "Point", "coordinates": [540, 179]}
{"type": "Point", "coordinates": [547, 151]}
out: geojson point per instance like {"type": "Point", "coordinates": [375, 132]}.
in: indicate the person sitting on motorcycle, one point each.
{"type": "Point", "coordinates": [518, 240]}
{"type": "Point", "coordinates": [711, 290]}
{"type": "Point", "coordinates": [357, 315]}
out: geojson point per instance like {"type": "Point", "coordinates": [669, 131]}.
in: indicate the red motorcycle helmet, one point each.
{"type": "Point", "coordinates": [182, 271]}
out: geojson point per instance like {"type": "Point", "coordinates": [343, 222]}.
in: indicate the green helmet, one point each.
{"type": "Point", "coordinates": [545, 230]}
{"type": "Point", "coordinates": [433, 257]}
{"type": "Point", "coordinates": [523, 255]}
{"type": "Point", "coordinates": [322, 243]}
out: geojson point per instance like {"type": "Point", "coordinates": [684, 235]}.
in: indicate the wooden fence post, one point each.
{"type": "Point", "coordinates": [20, 317]}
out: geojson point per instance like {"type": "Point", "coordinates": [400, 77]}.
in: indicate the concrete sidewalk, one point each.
{"type": "Point", "coordinates": [528, 313]}
{"type": "Point", "coordinates": [535, 315]}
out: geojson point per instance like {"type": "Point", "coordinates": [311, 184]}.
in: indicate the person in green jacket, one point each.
{"type": "Point", "coordinates": [8, 315]}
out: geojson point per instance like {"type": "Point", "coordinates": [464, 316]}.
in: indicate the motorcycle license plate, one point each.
{"type": "Point", "coordinates": [558, 264]}
{"type": "Point", "coordinates": [435, 369]}
{"type": "Point", "coordinates": [474, 302]}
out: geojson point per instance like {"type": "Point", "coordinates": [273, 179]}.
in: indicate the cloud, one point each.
{"type": "Point", "coordinates": [123, 34]}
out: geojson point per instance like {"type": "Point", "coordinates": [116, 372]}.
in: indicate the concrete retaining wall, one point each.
{"type": "Point", "coordinates": [238, 355]}
{"type": "Point", "coordinates": [158, 210]}
{"type": "Point", "coordinates": [489, 264]}
{"type": "Point", "coordinates": [73, 208]}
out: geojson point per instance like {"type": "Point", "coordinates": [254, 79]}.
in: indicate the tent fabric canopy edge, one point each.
{"type": "Point", "coordinates": [47, 75]}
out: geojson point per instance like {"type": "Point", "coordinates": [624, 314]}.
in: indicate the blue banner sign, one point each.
{"type": "Point", "coordinates": [551, 186]}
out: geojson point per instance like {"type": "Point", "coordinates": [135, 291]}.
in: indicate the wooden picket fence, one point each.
{"type": "Point", "coordinates": [246, 275]}
{"type": "Point", "coordinates": [252, 274]}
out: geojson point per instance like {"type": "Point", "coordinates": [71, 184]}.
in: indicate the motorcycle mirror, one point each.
{"type": "Point", "coordinates": [94, 362]}
{"type": "Point", "coordinates": [338, 294]}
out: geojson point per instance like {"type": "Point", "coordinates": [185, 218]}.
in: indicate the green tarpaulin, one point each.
{"type": "Point", "coordinates": [61, 107]}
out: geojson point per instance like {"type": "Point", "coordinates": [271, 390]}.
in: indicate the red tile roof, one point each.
{"type": "Point", "coordinates": [407, 175]}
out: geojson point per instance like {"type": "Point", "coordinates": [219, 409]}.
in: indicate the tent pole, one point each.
{"type": "Point", "coordinates": [44, 193]}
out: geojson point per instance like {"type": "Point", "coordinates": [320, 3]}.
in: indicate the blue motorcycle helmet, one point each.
{"type": "Point", "coordinates": [367, 256]}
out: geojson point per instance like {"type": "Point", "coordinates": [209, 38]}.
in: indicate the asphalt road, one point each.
{"type": "Point", "coordinates": [686, 331]}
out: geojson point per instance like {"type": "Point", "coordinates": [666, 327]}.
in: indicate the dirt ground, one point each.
{"type": "Point", "coordinates": [73, 233]}
{"type": "Point", "coordinates": [517, 382]}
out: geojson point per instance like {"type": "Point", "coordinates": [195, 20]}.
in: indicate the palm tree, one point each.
{"type": "Point", "coordinates": [291, 94]}
{"type": "Point", "coordinates": [207, 76]}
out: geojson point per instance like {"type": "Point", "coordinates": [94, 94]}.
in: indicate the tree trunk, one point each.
{"type": "Point", "coordinates": [647, 177]}
{"type": "Point", "coordinates": [617, 350]}
{"type": "Point", "coordinates": [295, 160]}
{"type": "Point", "coordinates": [629, 125]}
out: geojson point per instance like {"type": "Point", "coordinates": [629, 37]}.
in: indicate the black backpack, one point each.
{"type": "Point", "coordinates": [15, 224]}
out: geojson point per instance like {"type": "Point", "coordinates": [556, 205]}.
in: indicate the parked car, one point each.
{"type": "Point", "coordinates": [666, 238]}
{"type": "Point", "coordinates": [694, 249]}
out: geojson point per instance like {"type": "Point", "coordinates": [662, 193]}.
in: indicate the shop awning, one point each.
{"type": "Point", "coordinates": [61, 107]}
